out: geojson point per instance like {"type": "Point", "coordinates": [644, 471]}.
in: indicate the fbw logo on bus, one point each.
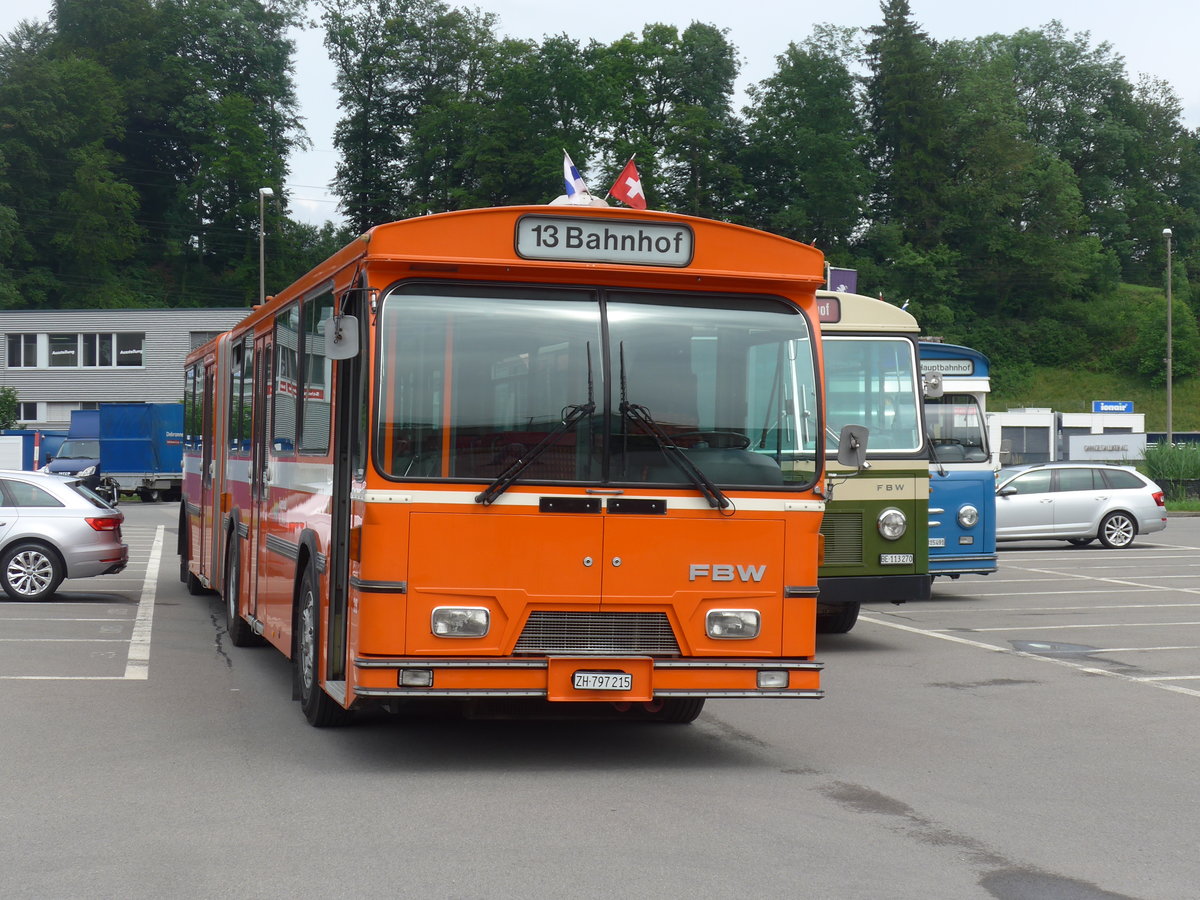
{"type": "Point", "coordinates": [720, 572]}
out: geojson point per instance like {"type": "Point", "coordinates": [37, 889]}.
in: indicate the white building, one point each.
{"type": "Point", "coordinates": [60, 360]}
{"type": "Point", "coordinates": [1035, 435]}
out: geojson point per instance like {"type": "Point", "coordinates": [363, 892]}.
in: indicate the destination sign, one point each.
{"type": "Point", "coordinates": [605, 241]}
{"type": "Point", "coordinates": [948, 366]}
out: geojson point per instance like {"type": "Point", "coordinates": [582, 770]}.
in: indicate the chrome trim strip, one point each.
{"type": "Point", "coordinates": [283, 547]}
{"type": "Point", "coordinates": [780, 503]}
{"type": "Point", "coordinates": [394, 693]}
{"type": "Point", "coordinates": [397, 663]}
{"type": "Point", "coordinates": [379, 587]}
{"type": "Point", "coordinates": [542, 663]}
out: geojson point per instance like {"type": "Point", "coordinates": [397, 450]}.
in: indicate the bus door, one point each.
{"type": "Point", "coordinates": [207, 548]}
{"type": "Point", "coordinates": [260, 487]}
{"type": "Point", "coordinates": [350, 392]}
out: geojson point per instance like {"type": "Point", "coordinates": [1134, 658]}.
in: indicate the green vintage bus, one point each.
{"type": "Point", "coordinates": [876, 525]}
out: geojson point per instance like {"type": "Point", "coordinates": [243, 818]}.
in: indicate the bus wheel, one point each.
{"type": "Point", "coordinates": [194, 586]}
{"type": "Point", "coordinates": [679, 710]}
{"type": "Point", "coordinates": [240, 632]}
{"type": "Point", "coordinates": [319, 708]}
{"type": "Point", "coordinates": [841, 620]}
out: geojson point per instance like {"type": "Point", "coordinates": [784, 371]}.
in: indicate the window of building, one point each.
{"type": "Point", "coordinates": [129, 349]}
{"type": "Point", "coordinates": [22, 350]}
{"type": "Point", "coordinates": [72, 351]}
{"type": "Point", "coordinates": [27, 412]}
{"type": "Point", "coordinates": [64, 350]}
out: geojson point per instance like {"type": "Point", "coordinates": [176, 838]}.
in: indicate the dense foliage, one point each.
{"type": "Point", "coordinates": [1012, 188]}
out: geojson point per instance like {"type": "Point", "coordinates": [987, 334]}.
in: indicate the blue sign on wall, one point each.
{"type": "Point", "coordinates": [1112, 406]}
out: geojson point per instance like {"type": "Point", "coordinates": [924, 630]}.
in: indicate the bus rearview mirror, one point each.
{"type": "Point", "coordinates": [852, 446]}
{"type": "Point", "coordinates": [341, 337]}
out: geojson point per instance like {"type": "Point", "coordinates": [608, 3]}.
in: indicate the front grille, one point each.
{"type": "Point", "coordinates": [557, 631]}
{"type": "Point", "coordinates": [843, 538]}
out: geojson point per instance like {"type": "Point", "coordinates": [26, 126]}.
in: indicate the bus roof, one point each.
{"type": "Point", "coordinates": [484, 241]}
{"type": "Point", "coordinates": [488, 244]}
{"type": "Point", "coordinates": [842, 312]}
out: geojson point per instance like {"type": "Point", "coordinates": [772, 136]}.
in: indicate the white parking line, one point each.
{"type": "Point", "coordinates": [940, 610]}
{"type": "Point", "coordinates": [979, 645]}
{"type": "Point", "coordinates": [1064, 627]}
{"type": "Point", "coordinates": [137, 665]}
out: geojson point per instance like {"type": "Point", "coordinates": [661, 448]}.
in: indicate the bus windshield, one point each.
{"type": "Point", "coordinates": [956, 428]}
{"type": "Point", "coordinates": [472, 378]}
{"type": "Point", "coordinates": [870, 381]}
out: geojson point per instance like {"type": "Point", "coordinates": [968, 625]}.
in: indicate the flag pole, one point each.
{"type": "Point", "coordinates": [608, 193]}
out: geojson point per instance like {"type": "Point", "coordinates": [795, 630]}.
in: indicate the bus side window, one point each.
{"type": "Point", "coordinates": [285, 394]}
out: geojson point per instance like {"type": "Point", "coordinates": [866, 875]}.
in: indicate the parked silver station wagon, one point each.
{"type": "Point", "coordinates": [51, 528]}
{"type": "Point", "coordinates": [1077, 502]}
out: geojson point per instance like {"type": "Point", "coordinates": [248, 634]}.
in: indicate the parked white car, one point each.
{"type": "Point", "coordinates": [51, 528]}
{"type": "Point", "coordinates": [1077, 502]}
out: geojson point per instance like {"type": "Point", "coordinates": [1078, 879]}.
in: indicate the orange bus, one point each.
{"type": "Point", "coordinates": [563, 453]}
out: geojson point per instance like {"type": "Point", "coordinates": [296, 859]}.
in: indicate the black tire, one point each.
{"type": "Point", "coordinates": [148, 495]}
{"type": "Point", "coordinates": [31, 571]}
{"type": "Point", "coordinates": [195, 586]}
{"type": "Point", "coordinates": [679, 710]}
{"type": "Point", "coordinates": [1080, 542]}
{"type": "Point", "coordinates": [843, 617]}
{"type": "Point", "coordinates": [319, 708]}
{"type": "Point", "coordinates": [1117, 531]}
{"type": "Point", "coordinates": [240, 632]}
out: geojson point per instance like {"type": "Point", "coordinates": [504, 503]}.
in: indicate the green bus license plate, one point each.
{"type": "Point", "coordinates": [895, 559]}
{"type": "Point", "coordinates": [602, 681]}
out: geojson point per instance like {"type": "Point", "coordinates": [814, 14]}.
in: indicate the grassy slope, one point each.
{"type": "Point", "coordinates": [1071, 390]}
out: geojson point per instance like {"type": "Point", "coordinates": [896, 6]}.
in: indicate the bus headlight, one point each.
{"type": "Point", "coordinates": [84, 473]}
{"type": "Point", "coordinates": [892, 524]}
{"type": "Point", "coordinates": [732, 624]}
{"type": "Point", "coordinates": [460, 621]}
{"type": "Point", "coordinates": [968, 516]}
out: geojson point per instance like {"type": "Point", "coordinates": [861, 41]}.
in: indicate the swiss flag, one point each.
{"type": "Point", "coordinates": [628, 188]}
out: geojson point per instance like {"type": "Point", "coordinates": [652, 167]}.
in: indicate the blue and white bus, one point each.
{"type": "Point", "coordinates": [962, 479]}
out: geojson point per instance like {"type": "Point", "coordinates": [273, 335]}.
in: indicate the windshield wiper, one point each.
{"type": "Point", "coordinates": [571, 416]}
{"type": "Point", "coordinates": [937, 459]}
{"type": "Point", "coordinates": [669, 448]}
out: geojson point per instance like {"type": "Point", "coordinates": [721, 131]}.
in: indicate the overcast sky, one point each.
{"type": "Point", "coordinates": [1156, 37]}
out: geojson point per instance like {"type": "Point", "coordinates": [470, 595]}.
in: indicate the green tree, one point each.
{"type": "Point", "coordinates": [8, 408]}
{"type": "Point", "coordinates": [906, 111]}
{"type": "Point", "coordinates": [804, 159]}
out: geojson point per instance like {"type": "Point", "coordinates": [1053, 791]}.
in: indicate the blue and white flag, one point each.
{"type": "Point", "coordinates": [577, 191]}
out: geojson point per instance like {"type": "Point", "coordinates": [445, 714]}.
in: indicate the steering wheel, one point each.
{"type": "Point", "coordinates": [722, 440]}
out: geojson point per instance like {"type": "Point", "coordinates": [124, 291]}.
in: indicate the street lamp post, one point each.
{"type": "Point", "coordinates": [263, 194]}
{"type": "Point", "coordinates": [1170, 406]}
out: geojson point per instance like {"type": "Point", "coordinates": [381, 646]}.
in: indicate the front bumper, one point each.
{"type": "Point", "coordinates": [550, 678]}
{"type": "Point", "coordinates": [873, 589]}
